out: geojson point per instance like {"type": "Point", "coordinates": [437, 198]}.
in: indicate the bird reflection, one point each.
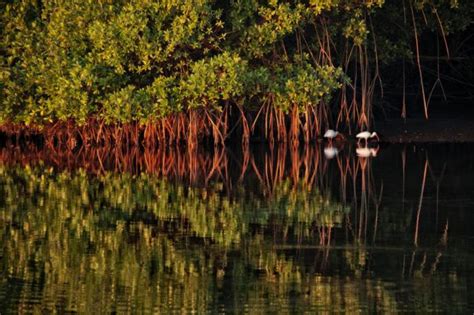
{"type": "Point", "coordinates": [366, 152]}
{"type": "Point", "coordinates": [330, 152]}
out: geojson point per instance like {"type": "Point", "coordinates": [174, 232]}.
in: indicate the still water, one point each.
{"type": "Point", "coordinates": [255, 231]}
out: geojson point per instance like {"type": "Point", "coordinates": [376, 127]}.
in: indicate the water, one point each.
{"type": "Point", "coordinates": [237, 231]}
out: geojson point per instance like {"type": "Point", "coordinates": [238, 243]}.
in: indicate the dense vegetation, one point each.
{"type": "Point", "coordinates": [168, 71]}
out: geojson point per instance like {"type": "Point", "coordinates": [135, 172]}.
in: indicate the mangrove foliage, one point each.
{"type": "Point", "coordinates": [150, 72]}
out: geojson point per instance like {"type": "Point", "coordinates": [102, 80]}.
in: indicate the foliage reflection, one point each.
{"type": "Point", "coordinates": [191, 231]}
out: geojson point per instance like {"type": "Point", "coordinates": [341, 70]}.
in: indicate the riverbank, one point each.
{"type": "Point", "coordinates": [413, 130]}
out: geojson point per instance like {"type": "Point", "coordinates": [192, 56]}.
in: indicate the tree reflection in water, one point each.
{"type": "Point", "coordinates": [281, 229]}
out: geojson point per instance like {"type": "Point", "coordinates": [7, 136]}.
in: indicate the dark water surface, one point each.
{"type": "Point", "coordinates": [237, 231]}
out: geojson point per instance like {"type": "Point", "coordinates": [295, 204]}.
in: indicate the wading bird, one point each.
{"type": "Point", "coordinates": [331, 134]}
{"type": "Point", "coordinates": [366, 135]}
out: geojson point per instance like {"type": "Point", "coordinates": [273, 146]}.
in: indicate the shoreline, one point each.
{"type": "Point", "coordinates": [413, 130]}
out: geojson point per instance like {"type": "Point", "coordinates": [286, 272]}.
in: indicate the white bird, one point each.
{"type": "Point", "coordinates": [366, 135]}
{"type": "Point", "coordinates": [331, 134]}
{"type": "Point", "coordinates": [330, 152]}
